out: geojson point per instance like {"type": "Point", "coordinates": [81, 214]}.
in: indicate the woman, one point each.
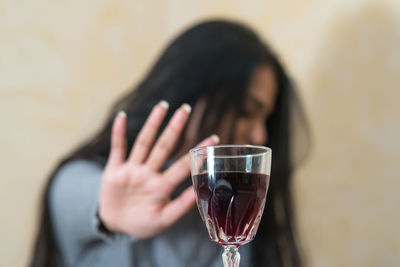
{"type": "Point", "coordinates": [119, 200]}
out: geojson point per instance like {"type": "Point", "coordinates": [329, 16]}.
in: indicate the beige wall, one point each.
{"type": "Point", "coordinates": [62, 63]}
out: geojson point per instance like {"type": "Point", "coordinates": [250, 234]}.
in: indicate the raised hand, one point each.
{"type": "Point", "coordinates": [135, 194]}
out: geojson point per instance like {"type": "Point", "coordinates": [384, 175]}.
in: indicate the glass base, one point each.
{"type": "Point", "coordinates": [231, 256]}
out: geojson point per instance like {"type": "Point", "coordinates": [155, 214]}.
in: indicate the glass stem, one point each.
{"type": "Point", "coordinates": [231, 256]}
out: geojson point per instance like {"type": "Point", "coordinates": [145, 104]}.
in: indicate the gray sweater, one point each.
{"type": "Point", "coordinates": [73, 202]}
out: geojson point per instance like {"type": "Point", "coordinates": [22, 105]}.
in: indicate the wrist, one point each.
{"type": "Point", "coordinates": [107, 222]}
{"type": "Point", "coordinates": [102, 227]}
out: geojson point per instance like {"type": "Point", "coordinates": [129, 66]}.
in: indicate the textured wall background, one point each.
{"type": "Point", "coordinates": [62, 63]}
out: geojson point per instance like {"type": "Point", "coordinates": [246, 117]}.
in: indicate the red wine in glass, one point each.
{"type": "Point", "coordinates": [231, 204]}
{"type": "Point", "coordinates": [231, 183]}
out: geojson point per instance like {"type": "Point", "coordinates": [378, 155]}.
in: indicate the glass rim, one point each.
{"type": "Point", "coordinates": [267, 150]}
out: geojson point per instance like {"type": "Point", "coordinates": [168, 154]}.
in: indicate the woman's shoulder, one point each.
{"type": "Point", "coordinates": [75, 176]}
{"type": "Point", "coordinates": [79, 167]}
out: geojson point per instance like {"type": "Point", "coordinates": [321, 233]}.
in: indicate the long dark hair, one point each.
{"type": "Point", "coordinates": [214, 61]}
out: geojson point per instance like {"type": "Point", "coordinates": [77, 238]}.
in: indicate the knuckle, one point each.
{"type": "Point", "coordinates": [115, 145]}
{"type": "Point", "coordinates": [153, 123]}
{"type": "Point", "coordinates": [184, 164]}
{"type": "Point", "coordinates": [174, 129]}
{"type": "Point", "coordinates": [141, 141]}
{"type": "Point", "coordinates": [165, 145]}
{"type": "Point", "coordinates": [168, 184]}
{"type": "Point", "coordinates": [165, 221]}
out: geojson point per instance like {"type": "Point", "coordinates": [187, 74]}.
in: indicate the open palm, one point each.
{"type": "Point", "coordinates": [135, 194]}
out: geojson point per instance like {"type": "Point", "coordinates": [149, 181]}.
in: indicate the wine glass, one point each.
{"type": "Point", "coordinates": [231, 183]}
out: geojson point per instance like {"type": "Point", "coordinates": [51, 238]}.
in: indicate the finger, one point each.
{"type": "Point", "coordinates": [180, 170]}
{"type": "Point", "coordinates": [148, 133]}
{"type": "Point", "coordinates": [168, 138]}
{"type": "Point", "coordinates": [177, 207]}
{"type": "Point", "coordinates": [117, 153]}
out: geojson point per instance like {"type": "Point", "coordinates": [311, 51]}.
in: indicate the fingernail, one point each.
{"type": "Point", "coordinates": [164, 104]}
{"type": "Point", "coordinates": [121, 114]}
{"type": "Point", "coordinates": [215, 138]}
{"type": "Point", "coordinates": [186, 107]}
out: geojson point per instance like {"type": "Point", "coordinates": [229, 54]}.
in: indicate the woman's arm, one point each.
{"type": "Point", "coordinates": [132, 195]}
{"type": "Point", "coordinates": [73, 204]}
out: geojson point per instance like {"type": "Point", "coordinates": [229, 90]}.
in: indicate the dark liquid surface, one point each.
{"type": "Point", "coordinates": [231, 204]}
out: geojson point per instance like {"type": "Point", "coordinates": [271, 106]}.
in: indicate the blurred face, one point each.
{"type": "Point", "coordinates": [250, 125]}
{"type": "Point", "coordinates": [258, 104]}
